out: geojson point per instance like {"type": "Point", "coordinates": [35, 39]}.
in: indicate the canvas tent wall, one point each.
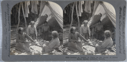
{"type": "Point", "coordinates": [108, 14]}
{"type": "Point", "coordinates": [55, 16]}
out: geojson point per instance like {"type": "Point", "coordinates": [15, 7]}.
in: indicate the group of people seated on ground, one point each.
{"type": "Point", "coordinates": [84, 36]}
{"type": "Point", "coordinates": [28, 36]}
{"type": "Point", "coordinates": [25, 38]}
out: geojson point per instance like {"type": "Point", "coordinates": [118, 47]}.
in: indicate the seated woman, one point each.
{"type": "Point", "coordinates": [21, 44]}
{"type": "Point", "coordinates": [54, 43]}
{"type": "Point", "coordinates": [73, 43]}
{"type": "Point", "coordinates": [106, 44]}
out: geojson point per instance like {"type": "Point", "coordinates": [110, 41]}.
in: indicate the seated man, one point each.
{"type": "Point", "coordinates": [54, 43]}
{"type": "Point", "coordinates": [84, 29]}
{"type": "Point", "coordinates": [31, 30]}
{"type": "Point", "coordinates": [46, 31]}
{"type": "Point", "coordinates": [99, 31]}
{"type": "Point", "coordinates": [106, 44]}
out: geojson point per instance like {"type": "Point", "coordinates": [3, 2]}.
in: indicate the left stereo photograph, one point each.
{"type": "Point", "coordinates": [36, 28]}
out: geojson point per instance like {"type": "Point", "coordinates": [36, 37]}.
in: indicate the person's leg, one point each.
{"type": "Point", "coordinates": [71, 46]}
{"type": "Point", "coordinates": [87, 35]}
{"type": "Point", "coordinates": [47, 50]}
{"type": "Point", "coordinates": [26, 48]}
{"type": "Point", "coordinates": [79, 48]}
{"type": "Point", "coordinates": [99, 49]}
{"type": "Point", "coordinates": [19, 47]}
{"type": "Point", "coordinates": [96, 49]}
{"type": "Point", "coordinates": [43, 51]}
{"type": "Point", "coordinates": [33, 36]}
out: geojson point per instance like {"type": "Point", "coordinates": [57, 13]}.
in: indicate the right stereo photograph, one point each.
{"type": "Point", "coordinates": [89, 28]}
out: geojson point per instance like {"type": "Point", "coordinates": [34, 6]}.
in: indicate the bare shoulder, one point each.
{"type": "Point", "coordinates": [82, 25]}
{"type": "Point", "coordinates": [24, 34]}
{"type": "Point", "coordinates": [77, 33]}
{"type": "Point", "coordinates": [29, 25]}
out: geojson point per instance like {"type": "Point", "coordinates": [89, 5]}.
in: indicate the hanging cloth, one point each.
{"type": "Point", "coordinates": [34, 7]}
{"type": "Point", "coordinates": [88, 6]}
{"type": "Point", "coordinates": [80, 9]}
{"type": "Point", "coordinates": [27, 3]}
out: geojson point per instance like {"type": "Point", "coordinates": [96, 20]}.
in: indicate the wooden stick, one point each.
{"type": "Point", "coordinates": [71, 19]}
{"type": "Point", "coordinates": [77, 17]}
{"type": "Point", "coordinates": [24, 18]}
{"type": "Point", "coordinates": [18, 20]}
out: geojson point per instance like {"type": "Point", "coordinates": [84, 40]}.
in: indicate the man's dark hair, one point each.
{"type": "Point", "coordinates": [19, 30]}
{"type": "Point", "coordinates": [72, 29]}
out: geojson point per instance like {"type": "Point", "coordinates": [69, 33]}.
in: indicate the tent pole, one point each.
{"type": "Point", "coordinates": [71, 18]}
{"type": "Point", "coordinates": [42, 8]}
{"type": "Point", "coordinates": [41, 11]}
{"type": "Point", "coordinates": [18, 19]}
{"type": "Point", "coordinates": [77, 17]}
{"type": "Point", "coordinates": [95, 7]}
{"type": "Point", "coordinates": [24, 18]}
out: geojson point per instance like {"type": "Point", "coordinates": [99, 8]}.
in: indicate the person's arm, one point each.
{"type": "Point", "coordinates": [52, 44]}
{"type": "Point", "coordinates": [17, 38]}
{"type": "Point", "coordinates": [80, 36]}
{"type": "Point", "coordinates": [28, 37]}
{"type": "Point", "coordinates": [104, 44]}
{"type": "Point", "coordinates": [89, 31]}
{"type": "Point", "coordinates": [81, 30]}
{"type": "Point", "coordinates": [36, 32]}
{"type": "Point", "coordinates": [28, 30]}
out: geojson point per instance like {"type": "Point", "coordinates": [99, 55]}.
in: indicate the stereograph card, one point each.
{"type": "Point", "coordinates": [55, 30]}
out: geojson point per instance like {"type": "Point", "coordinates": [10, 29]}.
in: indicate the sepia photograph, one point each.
{"type": "Point", "coordinates": [82, 28]}
{"type": "Point", "coordinates": [89, 28]}
{"type": "Point", "coordinates": [36, 28]}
